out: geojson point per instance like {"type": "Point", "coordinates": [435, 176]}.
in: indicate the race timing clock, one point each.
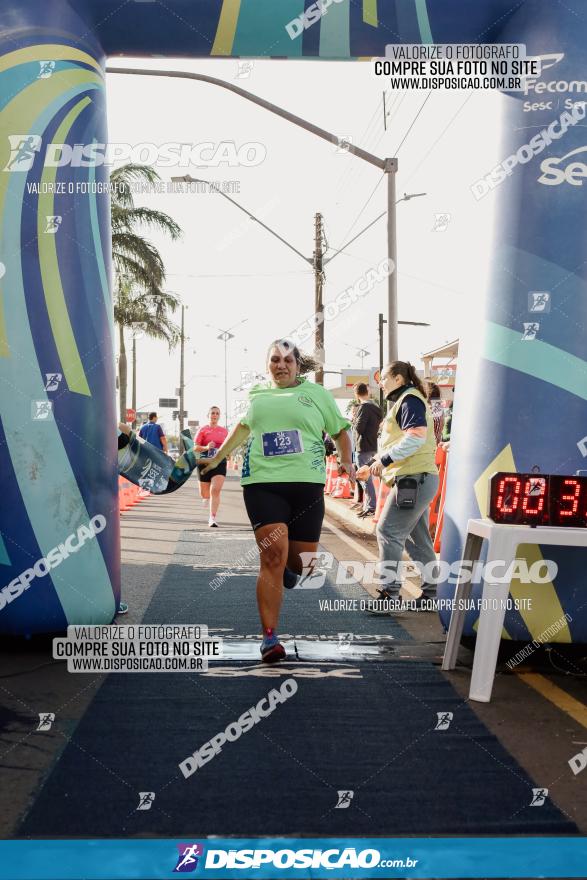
{"type": "Point", "coordinates": [538, 500]}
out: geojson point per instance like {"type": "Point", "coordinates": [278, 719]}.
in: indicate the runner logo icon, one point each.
{"type": "Point", "coordinates": [344, 800]}
{"type": "Point", "coordinates": [444, 719]}
{"type": "Point", "coordinates": [146, 799]}
{"type": "Point", "coordinates": [539, 796]}
{"type": "Point", "coordinates": [47, 69]}
{"type": "Point", "coordinates": [23, 149]}
{"type": "Point", "coordinates": [345, 641]}
{"type": "Point", "coordinates": [53, 381]}
{"type": "Point", "coordinates": [189, 855]}
{"type": "Point", "coordinates": [539, 301]}
{"type": "Point", "coordinates": [46, 719]}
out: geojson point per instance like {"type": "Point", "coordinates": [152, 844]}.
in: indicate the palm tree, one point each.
{"type": "Point", "coordinates": [139, 300]}
{"type": "Point", "coordinates": [149, 314]}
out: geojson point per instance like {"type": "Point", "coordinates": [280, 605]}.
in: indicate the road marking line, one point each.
{"type": "Point", "coordinates": [561, 699]}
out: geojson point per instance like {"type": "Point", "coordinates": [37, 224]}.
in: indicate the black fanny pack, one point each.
{"type": "Point", "coordinates": [407, 491]}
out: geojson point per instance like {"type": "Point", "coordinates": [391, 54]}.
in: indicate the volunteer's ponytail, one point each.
{"type": "Point", "coordinates": [408, 373]}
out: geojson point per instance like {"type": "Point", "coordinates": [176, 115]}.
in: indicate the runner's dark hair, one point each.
{"type": "Point", "coordinates": [306, 363]}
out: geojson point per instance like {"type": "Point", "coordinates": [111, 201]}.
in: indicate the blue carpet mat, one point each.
{"type": "Point", "coordinates": [364, 727]}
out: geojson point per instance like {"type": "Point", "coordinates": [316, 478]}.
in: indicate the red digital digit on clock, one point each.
{"type": "Point", "coordinates": [572, 491]}
{"type": "Point", "coordinates": [534, 497]}
{"type": "Point", "coordinates": [508, 494]}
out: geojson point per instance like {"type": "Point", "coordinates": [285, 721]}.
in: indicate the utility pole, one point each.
{"type": "Point", "coordinates": [319, 305]}
{"type": "Point", "coordinates": [134, 378]}
{"type": "Point", "coordinates": [392, 348]}
{"type": "Point", "coordinates": [381, 323]}
{"type": "Point", "coordinates": [388, 166]}
{"type": "Point", "coordinates": [181, 371]}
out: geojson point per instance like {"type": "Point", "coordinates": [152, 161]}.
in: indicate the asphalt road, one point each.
{"type": "Point", "coordinates": [538, 715]}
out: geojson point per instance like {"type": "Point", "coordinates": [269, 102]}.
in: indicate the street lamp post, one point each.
{"type": "Point", "coordinates": [181, 371]}
{"type": "Point", "coordinates": [388, 166]}
{"type": "Point", "coordinates": [318, 260]}
{"type": "Point", "coordinates": [392, 349]}
{"type": "Point", "coordinates": [360, 352]}
{"type": "Point", "coordinates": [225, 336]}
{"type": "Point", "coordinates": [380, 332]}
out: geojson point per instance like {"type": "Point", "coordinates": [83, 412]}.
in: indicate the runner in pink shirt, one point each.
{"type": "Point", "coordinates": [208, 439]}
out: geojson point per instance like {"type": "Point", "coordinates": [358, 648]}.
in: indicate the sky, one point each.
{"type": "Point", "coordinates": [230, 271]}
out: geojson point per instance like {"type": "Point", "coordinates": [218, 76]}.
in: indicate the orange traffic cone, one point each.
{"type": "Point", "coordinates": [342, 487]}
{"type": "Point", "coordinates": [331, 474]}
{"type": "Point", "coordinates": [440, 523]}
{"type": "Point", "coordinates": [128, 496]}
{"type": "Point", "coordinates": [126, 493]}
{"type": "Point", "coordinates": [435, 504]}
{"type": "Point", "coordinates": [121, 496]}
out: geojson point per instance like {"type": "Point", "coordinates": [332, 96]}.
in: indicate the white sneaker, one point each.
{"type": "Point", "coordinates": [212, 524]}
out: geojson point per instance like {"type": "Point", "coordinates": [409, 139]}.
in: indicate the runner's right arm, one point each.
{"type": "Point", "coordinates": [236, 438]}
{"type": "Point", "coordinates": [199, 444]}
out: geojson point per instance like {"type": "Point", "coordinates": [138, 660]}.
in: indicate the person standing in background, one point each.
{"type": "Point", "coordinates": [366, 427]}
{"type": "Point", "coordinates": [358, 502]}
{"type": "Point", "coordinates": [208, 439]}
{"type": "Point", "coordinates": [434, 399]}
{"type": "Point", "coordinates": [153, 433]}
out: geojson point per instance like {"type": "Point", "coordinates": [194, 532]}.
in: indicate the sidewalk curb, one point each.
{"type": "Point", "coordinates": [340, 510]}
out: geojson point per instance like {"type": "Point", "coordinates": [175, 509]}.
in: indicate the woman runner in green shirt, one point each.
{"type": "Point", "coordinates": [283, 475]}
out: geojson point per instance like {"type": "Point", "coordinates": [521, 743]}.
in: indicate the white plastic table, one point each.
{"type": "Point", "coordinates": [503, 544]}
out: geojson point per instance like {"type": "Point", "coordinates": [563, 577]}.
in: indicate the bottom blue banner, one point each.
{"type": "Point", "coordinates": [294, 857]}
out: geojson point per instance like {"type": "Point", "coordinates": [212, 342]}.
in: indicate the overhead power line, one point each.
{"type": "Point", "coordinates": [413, 123]}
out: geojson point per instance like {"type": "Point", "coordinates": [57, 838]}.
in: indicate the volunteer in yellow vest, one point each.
{"type": "Point", "coordinates": [406, 462]}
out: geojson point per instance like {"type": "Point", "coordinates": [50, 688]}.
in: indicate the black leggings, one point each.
{"type": "Point", "coordinates": [299, 505]}
{"type": "Point", "coordinates": [219, 471]}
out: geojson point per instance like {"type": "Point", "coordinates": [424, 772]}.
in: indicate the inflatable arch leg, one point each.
{"type": "Point", "coordinates": [521, 394]}
{"type": "Point", "coordinates": [59, 529]}
{"type": "Point", "coordinates": [520, 400]}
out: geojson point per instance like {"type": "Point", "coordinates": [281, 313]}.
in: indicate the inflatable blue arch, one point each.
{"type": "Point", "coordinates": [518, 403]}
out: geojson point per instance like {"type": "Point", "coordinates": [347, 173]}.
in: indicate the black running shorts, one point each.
{"type": "Point", "coordinates": [299, 505]}
{"type": "Point", "coordinates": [219, 471]}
